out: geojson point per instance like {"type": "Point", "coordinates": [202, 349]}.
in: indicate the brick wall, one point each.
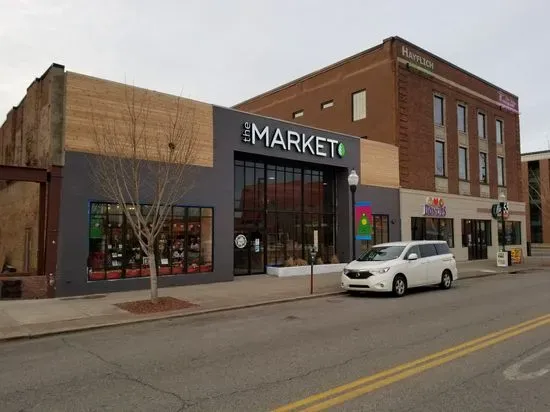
{"type": "Point", "coordinates": [19, 206]}
{"type": "Point", "coordinates": [416, 137]}
{"type": "Point", "coordinates": [545, 198]}
{"type": "Point", "coordinates": [372, 70]}
{"type": "Point", "coordinates": [525, 197]}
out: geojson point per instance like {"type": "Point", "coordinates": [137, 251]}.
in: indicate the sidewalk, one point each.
{"type": "Point", "coordinates": [35, 318]}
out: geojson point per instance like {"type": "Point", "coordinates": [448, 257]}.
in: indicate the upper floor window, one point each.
{"type": "Point", "coordinates": [439, 113]}
{"type": "Point", "coordinates": [439, 158]}
{"type": "Point", "coordinates": [483, 176]}
{"type": "Point", "coordinates": [327, 104]}
{"type": "Point", "coordinates": [500, 171]}
{"type": "Point", "coordinates": [481, 125]}
{"type": "Point", "coordinates": [359, 105]}
{"type": "Point", "coordinates": [461, 118]}
{"type": "Point", "coordinates": [297, 114]}
{"type": "Point", "coordinates": [462, 163]}
{"type": "Point", "coordinates": [500, 131]}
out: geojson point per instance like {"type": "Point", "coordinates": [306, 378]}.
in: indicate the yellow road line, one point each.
{"type": "Point", "coordinates": [521, 327]}
{"type": "Point", "coordinates": [414, 371]}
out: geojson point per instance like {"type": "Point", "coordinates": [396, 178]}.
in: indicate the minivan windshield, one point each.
{"type": "Point", "coordinates": [381, 253]}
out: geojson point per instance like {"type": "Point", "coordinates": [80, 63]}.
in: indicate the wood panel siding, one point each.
{"type": "Point", "coordinates": [379, 164]}
{"type": "Point", "coordinates": [90, 101]}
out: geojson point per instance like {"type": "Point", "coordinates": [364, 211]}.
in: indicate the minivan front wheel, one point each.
{"type": "Point", "coordinates": [399, 286]}
{"type": "Point", "coordinates": [446, 280]}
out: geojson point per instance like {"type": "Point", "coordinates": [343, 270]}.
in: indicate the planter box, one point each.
{"type": "Point", "coordinates": [304, 270]}
{"type": "Point", "coordinates": [114, 274]}
{"type": "Point", "coordinates": [132, 273]}
{"type": "Point", "coordinates": [164, 270]}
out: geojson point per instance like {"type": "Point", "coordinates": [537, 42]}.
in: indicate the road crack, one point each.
{"type": "Point", "coordinates": [121, 374]}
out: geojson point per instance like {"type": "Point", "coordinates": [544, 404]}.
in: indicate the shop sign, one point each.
{"type": "Point", "coordinates": [507, 101]}
{"type": "Point", "coordinates": [434, 207]}
{"type": "Point", "coordinates": [290, 140]}
{"type": "Point", "coordinates": [363, 221]}
{"type": "Point", "coordinates": [240, 241]}
{"type": "Point", "coordinates": [496, 211]}
{"type": "Point", "coordinates": [416, 58]}
{"type": "Point", "coordinates": [516, 256]}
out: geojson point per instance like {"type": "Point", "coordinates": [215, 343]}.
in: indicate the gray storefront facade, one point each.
{"type": "Point", "coordinates": [274, 189]}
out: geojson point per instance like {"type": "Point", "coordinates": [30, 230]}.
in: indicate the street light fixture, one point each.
{"type": "Point", "coordinates": [353, 181]}
{"type": "Point", "coordinates": [502, 202]}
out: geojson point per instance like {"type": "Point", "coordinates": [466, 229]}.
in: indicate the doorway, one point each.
{"type": "Point", "coordinates": [278, 206]}
{"type": "Point", "coordinates": [476, 236]}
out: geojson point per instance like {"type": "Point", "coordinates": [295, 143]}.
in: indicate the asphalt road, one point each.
{"type": "Point", "coordinates": [264, 358]}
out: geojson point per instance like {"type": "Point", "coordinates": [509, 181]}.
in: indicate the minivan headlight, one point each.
{"type": "Point", "coordinates": [346, 271]}
{"type": "Point", "coordinates": [380, 271]}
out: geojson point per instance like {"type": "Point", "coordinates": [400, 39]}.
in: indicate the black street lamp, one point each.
{"type": "Point", "coordinates": [353, 181]}
{"type": "Point", "coordinates": [502, 202]}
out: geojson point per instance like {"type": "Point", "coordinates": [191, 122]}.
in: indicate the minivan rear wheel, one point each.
{"type": "Point", "coordinates": [446, 280]}
{"type": "Point", "coordinates": [399, 286]}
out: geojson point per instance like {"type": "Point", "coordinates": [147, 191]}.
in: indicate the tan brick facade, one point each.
{"type": "Point", "coordinates": [400, 111]}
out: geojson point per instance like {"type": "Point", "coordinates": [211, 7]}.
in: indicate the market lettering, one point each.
{"type": "Point", "coordinates": [416, 58]}
{"type": "Point", "coordinates": [291, 140]}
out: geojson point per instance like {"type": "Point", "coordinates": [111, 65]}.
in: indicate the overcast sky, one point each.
{"type": "Point", "coordinates": [224, 51]}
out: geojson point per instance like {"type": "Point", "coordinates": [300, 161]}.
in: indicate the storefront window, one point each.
{"type": "Point", "coordinates": [380, 233]}
{"type": "Point", "coordinates": [184, 244]}
{"type": "Point", "coordinates": [512, 232]}
{"type": "Point", "coordinates": [427, 228]}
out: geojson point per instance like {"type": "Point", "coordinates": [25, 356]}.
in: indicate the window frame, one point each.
{"type": "Point", "coordinates": [443, 145]}
{"type": "Point", "coordinates": [499, 126]}
{"type": "Point", "coordinates": [362, 92]}
{"type": "Point", "coordinates": [327, 104]}
{"type": "Point", "coordinates": [298, 113]}
{"type": "Point", "coordinates": [462, 149]}
{"type": "Point", "coordinates": [419, 223]}
{"type": "Point", "coordinates": [501, 171]}
{"type": "Point", "coordinates": [438, 97]}
{"type": "Point", "coordinates": [127, 250]}
{"type": "Point", "coordinates": [486, 157]}
{"type": "Point", "coordinates": [384, 220]}
{"type": "Point", "coordinates": [484, 128]}
{"type": "Point", "coordinates": [465, 123]}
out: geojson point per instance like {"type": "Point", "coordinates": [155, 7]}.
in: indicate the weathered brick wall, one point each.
{"type": "Point", "coordinates": [26, 134]}
{"type": "Point", "coordinates": [19, 206]}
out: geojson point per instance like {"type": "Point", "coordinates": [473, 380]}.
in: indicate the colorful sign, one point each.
{"type": "Point", "coordinates": [508, 102]}
{"type": "Point", "coordinates": [516, 256]}
{"type": "Point", "coordinates": [434, 207]}
{"type": "Point", "coordinates": [363, 221]}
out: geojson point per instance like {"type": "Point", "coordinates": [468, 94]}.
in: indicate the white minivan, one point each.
{"type": "Point", "coordinates": [398, 266]}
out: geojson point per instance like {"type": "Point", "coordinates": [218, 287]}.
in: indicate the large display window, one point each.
{"type": "Point", "coordinates": [184, 244]}
{"type": "Point", "coordinates": [428, 228]}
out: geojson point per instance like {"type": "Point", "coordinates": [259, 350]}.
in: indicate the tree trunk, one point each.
{"type": "Point", "coordinates": [153, 276]}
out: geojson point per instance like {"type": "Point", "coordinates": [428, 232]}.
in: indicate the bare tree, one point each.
{"type": "Point", "coordinates": [144, 159]}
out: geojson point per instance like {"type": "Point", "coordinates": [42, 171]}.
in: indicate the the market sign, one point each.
{"type": "Point", "coordinates": [434, 207]}
{"type": "Point", "coordinates": [290, 140]}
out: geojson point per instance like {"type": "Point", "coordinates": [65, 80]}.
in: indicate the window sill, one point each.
{"type": "Point", "coordinates": [441, 176]}
{"type": "Point", "coordinates": [464, 180]}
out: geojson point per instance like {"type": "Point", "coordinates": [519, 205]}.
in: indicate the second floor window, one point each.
{"type": "Point", "coordinates": [500, 171]}
{"type": "Point", "coordinates": [438, 110]}
{"type": "Point", "coordinates": [483, 177]}
{"type": "Point", "coordinates": [297, 114]}
{"type": "Point", "coordinates": [500, 130]}
{"type": "Point", "coordinates": [359, 105]}
{"type": "Point", "coordinates": [439, 158]}
{"type": "Point", "coordinates": [461, 118]}
{"type": "Point", "coordinates": [462, 163]}
{"type": "Point", "coordinates": [481, 126]}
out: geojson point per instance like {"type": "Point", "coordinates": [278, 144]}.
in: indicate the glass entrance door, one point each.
{"type": "Point", "coordinates": [248, 248]}
{"type": "Point", "coordinates": [476, 235]}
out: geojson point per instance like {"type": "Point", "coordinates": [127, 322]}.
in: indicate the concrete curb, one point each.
{"type": "Point", "coordinates": [152, 318]}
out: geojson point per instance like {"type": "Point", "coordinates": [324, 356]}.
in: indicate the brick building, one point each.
{"type": "Point", "coordinates": [457, 136]}
{"type": "Point", "coordinates": [536, 172]}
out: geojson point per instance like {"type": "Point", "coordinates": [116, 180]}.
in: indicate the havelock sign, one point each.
{"type": "Point", "coordinates": [290, 140]}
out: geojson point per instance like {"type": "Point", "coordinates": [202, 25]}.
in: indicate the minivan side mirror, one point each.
{"type": "Point", "coordinates": [412, 256]}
